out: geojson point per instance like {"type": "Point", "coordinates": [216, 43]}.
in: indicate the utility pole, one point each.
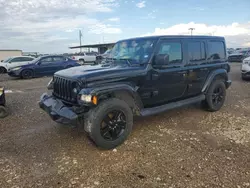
{"type": "Point", "coordinates": [191, 29]}
{"type": "Point", "coordinates": [80, 38]}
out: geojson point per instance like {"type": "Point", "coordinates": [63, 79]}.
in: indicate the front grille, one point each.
{"type": "Point", "coordinates": [63, 89]}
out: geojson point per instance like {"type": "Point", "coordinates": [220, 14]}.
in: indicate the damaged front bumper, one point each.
{"type": "Point", "coordinates": [58, 112]}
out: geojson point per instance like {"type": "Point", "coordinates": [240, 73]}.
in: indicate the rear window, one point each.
{"type": "Point", "coordinates": [216, 50]}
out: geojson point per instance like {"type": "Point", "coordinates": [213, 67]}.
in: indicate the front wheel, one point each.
{"type": "Point", "coordinates": [26, 74]}
{"type": "Point", "coordinates": [215, 96]}
{"type": "Point", "coordinates": [110, 123]}
{"type": "Point", "coordinates": [2, 70]}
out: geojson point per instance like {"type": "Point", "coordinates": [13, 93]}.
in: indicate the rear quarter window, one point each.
{"type": "Point", "coordinates": [216, 50]}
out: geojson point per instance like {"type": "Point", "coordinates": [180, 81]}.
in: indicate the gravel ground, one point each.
{"type": "Point", "coordinates": [186, 147]}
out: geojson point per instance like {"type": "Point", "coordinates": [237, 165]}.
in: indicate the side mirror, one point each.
{"type": "Point", "coordinates": [1, 60]}
{"type": "Point", "coordinates": [161, 59]}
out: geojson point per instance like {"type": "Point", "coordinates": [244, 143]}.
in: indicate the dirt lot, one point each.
{"type": "Point", "coordinates": [187, 147]}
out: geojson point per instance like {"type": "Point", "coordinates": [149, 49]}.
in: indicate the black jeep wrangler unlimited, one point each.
{"type": "Point", "coordinates": [142, 76]}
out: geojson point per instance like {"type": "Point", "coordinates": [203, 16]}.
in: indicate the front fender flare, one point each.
{"type": "Point", "coordinates": [109, 89]}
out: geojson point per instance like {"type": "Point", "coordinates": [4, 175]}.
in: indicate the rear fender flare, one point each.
{"type": "Point", "coordinates": [219, 73]}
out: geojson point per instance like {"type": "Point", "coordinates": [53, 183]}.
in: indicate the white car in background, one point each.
{"type": "Point", "coordinates": [245, 69]}
{"type": "Point", "coordinates": [85, 58]}
{"type": "Point", "coordinates": [14, 61]}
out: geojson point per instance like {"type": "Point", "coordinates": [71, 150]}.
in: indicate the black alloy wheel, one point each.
{"type": "Point", "coordinates": [27, 74]}
{"type": "Point", "coordinates": [113, 125]}
{"type": "Point", "coordinates": [217, 96]}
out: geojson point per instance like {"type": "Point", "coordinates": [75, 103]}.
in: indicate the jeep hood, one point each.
{"type": "Point", "coordinates": [101, 73]}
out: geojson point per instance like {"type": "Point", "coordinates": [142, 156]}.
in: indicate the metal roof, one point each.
{"type": "Point", "coordinates": [9, 50]}
{"type": "Point", "coordinates": [93, 45]}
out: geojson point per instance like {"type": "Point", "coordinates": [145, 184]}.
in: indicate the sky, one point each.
{"type": "Point", "coordinates": [52, 26]}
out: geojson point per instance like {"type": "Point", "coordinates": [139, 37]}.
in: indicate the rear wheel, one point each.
{"type": "Point", "coordinates": [26, 74]}
{"type": "Point", "coordinates": [81, 61]}
{"type": "Point", "coordinates": [215, 96]}
{"type": "Point", "coordinates": [243, 77]}
{"type": "Point", "coordinates": [2, 70]}
{"type": "Point", "coordinates": [3, 112]}
{"type": "Point", "coordinates": [110, 123]}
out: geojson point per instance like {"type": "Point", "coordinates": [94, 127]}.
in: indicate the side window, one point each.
{"type": "Point", "coordinates": [216, 50]}
{"type": "Point", "coordinates": [46, 60]}
{"type": "Point", "coordinates": [172, 50]}
{"type": "Point", "coordinates": [58, 59]}
{"type": "Point", "coordinates": [16, 60]}
{"type": "Point", "coordinates": [26, 59]}
{"type": "Point", "coordinates": [196, 51]}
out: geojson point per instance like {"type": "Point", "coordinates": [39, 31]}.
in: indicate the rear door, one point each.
{"type": "Point", "coordinates": [59, 63]}
{"type": "Point", "coordinates": [168, 82]}
{"type": "Point", "coordinates": [198, 67]}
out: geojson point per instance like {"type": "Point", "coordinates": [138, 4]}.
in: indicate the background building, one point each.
{"type": "Point", "coordinates": [100, 47]}
{"type": "Point", "coordinates": [8, 53]}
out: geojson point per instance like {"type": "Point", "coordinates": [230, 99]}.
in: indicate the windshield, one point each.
{"type": "Point", "coordinates": [35, 60]}
{"type": "Point", "coordinates": [135, 51]}
{"type": "Point", "coordinates": [7, 60]}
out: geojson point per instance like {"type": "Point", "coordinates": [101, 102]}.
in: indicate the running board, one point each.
{"type": "Point", "coordinates": [172, 105]}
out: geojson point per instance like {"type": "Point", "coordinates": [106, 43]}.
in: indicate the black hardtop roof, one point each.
{"type": "Point", "coordinates": [177, 36]}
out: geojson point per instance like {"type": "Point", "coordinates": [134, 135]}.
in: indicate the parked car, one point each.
{"type": "Point", "coordinates": [245, 69]}
{"type": "Point", "coordinates": [239, 55]}
{"type": "Point", "coordinates": [15, 61]}
{"type": "Point", "coordinates": [85, 58]}
{"type": "Point", "coordinates": [43, 66]}
{"type": "Point", "coordinates": [146, 76]}
{"type": "Point", "coordinates": [3, 110]}
{"type": "Point", "coordinates": [101, 57]}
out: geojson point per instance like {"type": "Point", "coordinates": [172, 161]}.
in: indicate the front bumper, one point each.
{"type": "Point", "coordinates": [57, 110]}
{"type": "Point", "coordinates": [245, 74]}
{"type": "Point", "coordinates": [14, 73]}
{"type": "Point", "coordinates": [228, 83]}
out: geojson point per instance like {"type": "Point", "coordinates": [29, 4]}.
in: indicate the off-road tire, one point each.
{"type": "Point", "coordinates": [96, 115]}
{"type": "Point", "coordinates": [27, 74]}
{"type": "Point", "coordinates": [208, 103]}
{"type": "Point", "coordinates": [3, 112]}
{"type": "Point", "coordinates": [2, 70]}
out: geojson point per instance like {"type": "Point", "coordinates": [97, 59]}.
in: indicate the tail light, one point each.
{"type": "Point", "coordinates": [73, 57]}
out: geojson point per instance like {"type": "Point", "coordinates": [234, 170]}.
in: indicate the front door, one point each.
{"type": "Point", "coordinates": [46, 66]}
{"type": "Point", "coordinates": [167, 81]}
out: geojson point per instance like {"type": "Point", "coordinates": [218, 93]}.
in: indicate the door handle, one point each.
{"type": "Point", "coordinates": [182, 72]}
{"type": "Point", "coordinates": [204, 69]}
